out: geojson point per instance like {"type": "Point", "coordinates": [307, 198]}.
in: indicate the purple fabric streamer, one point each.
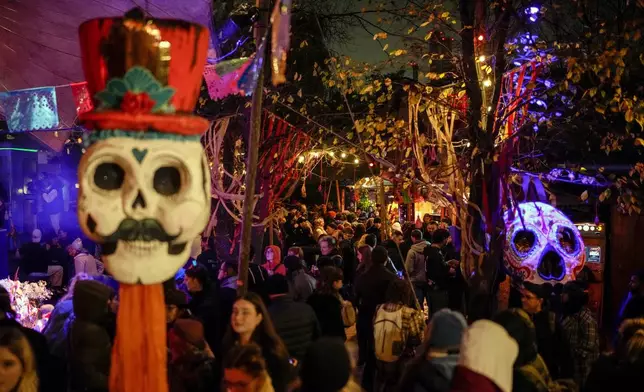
{"type": "Point", "coordinates": [248, 80]}
{"type": "Point", "coordinates": [32, 109]}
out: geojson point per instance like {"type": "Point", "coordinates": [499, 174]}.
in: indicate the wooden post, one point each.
{"type": "Point", "coordinates": [337, 195]}
{"type": "Point", "coordinates": [252, 154]}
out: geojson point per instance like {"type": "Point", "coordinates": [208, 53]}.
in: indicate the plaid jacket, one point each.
{"type": "Point", "coordinates": [413, 323]}
{"type": "Point", "coordinates": [580, 330]}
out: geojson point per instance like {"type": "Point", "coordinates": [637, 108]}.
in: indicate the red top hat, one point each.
{"type": "Point", "coordinates": [144, 74]}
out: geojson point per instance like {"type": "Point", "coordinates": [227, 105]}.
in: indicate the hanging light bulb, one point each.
{"type": "Point", "coordinates": [356, 161]}
{"type": "Point", "coordinates": [481, 37]}
{"type": "Point", "coordinates": [343, 155]}
{"type": "Point", "coordinates": [487, 82]}
{"type": "Point", "coordinates": [331, 153]}
{"type": "Point", "coordinates": [315, 155]}
{"type": "Point", "coordinates": [481, 58]}
{"type": "Point", "coordinates": [300, 159]}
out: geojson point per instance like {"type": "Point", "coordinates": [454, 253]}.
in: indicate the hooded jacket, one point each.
{"type": "Point", "coordinates": [90, 341]}
{"type": "Point", "coordinates": [84, 262]}
{"type": "Point", "coordinates": [275, 266]}
{"type": "Point", "coordinates": [415, 262]}
{"type": "Point", "coordinates": [434, 375]}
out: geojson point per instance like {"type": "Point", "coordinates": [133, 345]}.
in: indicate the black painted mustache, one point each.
{"type": "Point", "coordinates": [143, 230]}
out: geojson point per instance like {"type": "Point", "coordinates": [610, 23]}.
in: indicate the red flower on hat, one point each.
{"type": "Point", "coordinates": [137, 103]}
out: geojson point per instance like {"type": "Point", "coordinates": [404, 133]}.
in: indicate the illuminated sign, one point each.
{"type": "Point", "coordinates": [593, 254]}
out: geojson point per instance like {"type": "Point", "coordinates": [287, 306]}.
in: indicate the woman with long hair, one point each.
{"type": "Point", "coordinates": [327, 303]}
{"type": "Point", "coordinates": [250, 323]}
{"type": "Point", "coordinates": [364, 258]}
{"type": "Point", "coordinates": [17, 364]}
{"type": "Point", "coordinates": [245, 370]}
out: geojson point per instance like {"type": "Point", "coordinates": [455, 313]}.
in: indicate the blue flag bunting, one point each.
{"type": "Point", "coordinates": [32, 109]}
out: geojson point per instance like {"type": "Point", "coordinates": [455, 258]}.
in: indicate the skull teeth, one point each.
{"type": "Point", "coordinates": [142, 248]}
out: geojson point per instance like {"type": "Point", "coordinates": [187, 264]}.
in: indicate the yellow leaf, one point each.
{"type": "Point", "coordinates": [350, 135]}
{"type": "Point", "coordinates": [424, 24]}
{"type": "Point", "coordinates": [445, 15]}
{"type": "Point", "coordinates": [303, 44]}
{"type": "Point", "coordinates": [331, 83]}
{"type": "Point", "coordinates": [629, 117]}
{"type": "Point", "coordinates": [384, 48]}
{"type": "Point", "coordinates": [584, 196]}
{"type": "Point", "coordinates": [366, 90]}
{"type": "Point", "coordinates": [380, 35]}
{"type": "Point", "coordinates": [299, 93]}
{"type": "Point", "coordinates": [429, 35]}
{"type": "Point", "coordinates": [639, 142]}
{"type": "Point", "coordinates": [411, 30]}
{"type": "Point", "coordinates": [290, 99]}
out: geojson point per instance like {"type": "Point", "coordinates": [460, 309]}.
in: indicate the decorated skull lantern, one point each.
{"type": "Point", "coordinates": [542, 244]}
{"type": "Point", "coordinates": [144, 180]}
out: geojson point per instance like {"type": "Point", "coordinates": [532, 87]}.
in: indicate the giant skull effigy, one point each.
{"type": "Point", "coordinates": [542, 244]}
{"type": "Point", "coordinates": [144, 181]}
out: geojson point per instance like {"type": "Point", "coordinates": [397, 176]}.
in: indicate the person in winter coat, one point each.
{"type": "Point", "coordinates": [204, 304]}
{"type": "Point", "coordinates": [83, 261]}
{"type": "Point", "coordinates": [622, 369]}
{"type": "Point", "coordinates": [90, 343]}
{"type": "Point", "coordinates": [38, 344]}
{"type": "Point", "coordinates": [273, 257]}
{"type": "Point", "coordinates": [327, 368]}
{"type": "Point", "coordinates": [415, 264]}
{"type": "Point", "coordinates": [486, 359]}
{"type": "Point", "coordinates": [530, 371]}
{"type": "Point", "coordinates": [398, 330]}
{"type": "Point", "coordinates": [432, 370]}
{"type": "Point", "coordinates": [370, 291]}
{"type": "Point", "coordinates": [191, 362]}
{"type": "Point", "coordinates": [301, 285]}
{"type": "Point", "coordinates": [580, 330]}
{"type": "Point", "coordinates": [295, 322]}
{"type": "Point", "coordinates": [327, 303]}
{"type": "Point", "coordinates": [550, 343]}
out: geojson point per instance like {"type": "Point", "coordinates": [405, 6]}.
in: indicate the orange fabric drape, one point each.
{"type": "Point", "coordinates": [139, 355]}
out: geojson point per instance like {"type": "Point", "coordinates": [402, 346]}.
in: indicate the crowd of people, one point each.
{"type": "Point", "coordinates": [398, 289]}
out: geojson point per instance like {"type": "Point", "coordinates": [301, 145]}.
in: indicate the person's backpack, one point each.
{"type": "Point", "coordinates": [257, 275]}
{"type": "Point", "coordinates": [389, 340]}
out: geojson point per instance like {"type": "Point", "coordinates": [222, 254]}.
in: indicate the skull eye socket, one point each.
{"type": "Point", "coordinates": [109, 176]}
{"type": "Point", "coordinates": [167, 180]}
{"type": "Point", "coordinates": [524, 241]}
{"type": "Point", "coordinates": [567, 240]}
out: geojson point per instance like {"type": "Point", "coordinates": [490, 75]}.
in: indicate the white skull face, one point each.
{"type": "Point", "coordinates": [144, 201]}
{"type": "Point", "coordinates": [548, 248]}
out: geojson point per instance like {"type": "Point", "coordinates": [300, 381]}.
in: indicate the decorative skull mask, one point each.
{"type": "Point", "coordinates": [543, 247]}
{"type": "Point", "coordinates": [144, 180]}
{"type": "Point", "coordinates": [145, 201]}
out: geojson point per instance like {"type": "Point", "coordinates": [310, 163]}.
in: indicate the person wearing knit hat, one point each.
{"type": "Point", "coordinates": [326, 366]}
{"type": "Point", "coordinates": [486, 361]}
{"type": "Point", "coordinates": [191, 363]}
{"type": "Point", "coordinates": [433, 368]}
{"type": "Point", "coordinates": [396, 227]}
{"type": "Point", "coordinates": [90, 340]}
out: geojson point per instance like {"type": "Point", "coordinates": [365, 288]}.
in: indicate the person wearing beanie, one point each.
{"type": "Point", "coordinates": [83, 261]}
{"type": "Point", "coordinates": [326, 367]}
{"type": "Point", "coordinates": [191, 364]}
{"type": "Point", "coordinates": [486, 359]}
{"type": "Point", "coordinates": [295, 322]}
{"type": "Point", "coordinates": [433, 368]}
{"type": "Point", "coordinates": [175, 305]}
{"type": "Point", "coordinates": [580, 330]}
{"type": "Point", "coordinates": [91, 336]}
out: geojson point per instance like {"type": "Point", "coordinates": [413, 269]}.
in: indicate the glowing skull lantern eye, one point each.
{"type": "Point", "coordinates": [524, 241]}
{"type": "Point", "coordinates": [542, 245]}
